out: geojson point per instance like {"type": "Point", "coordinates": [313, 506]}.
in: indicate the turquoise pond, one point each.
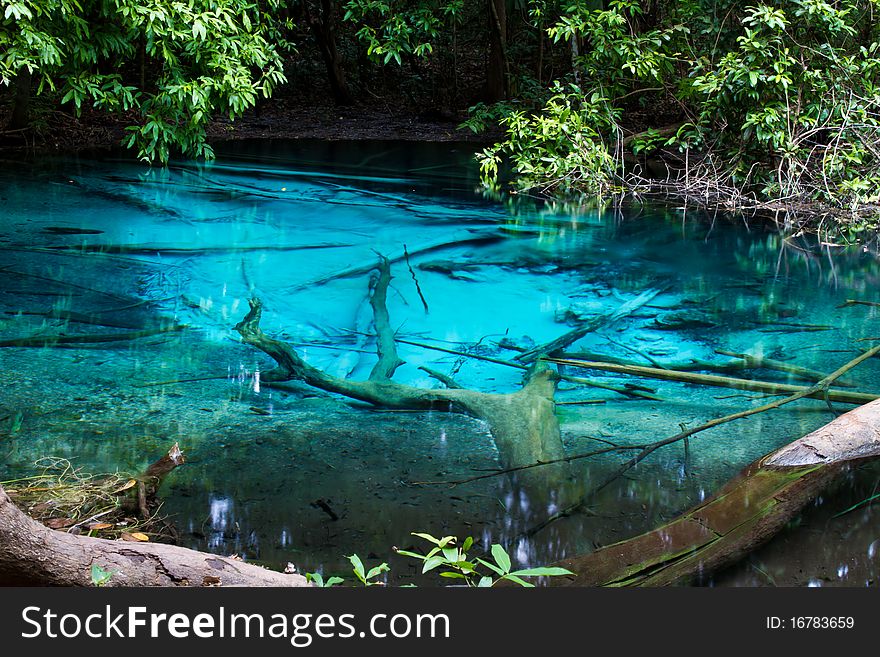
{"type": "Point", "coordinates": [104, 246]}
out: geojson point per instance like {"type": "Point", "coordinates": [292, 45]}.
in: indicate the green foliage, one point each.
{"type": "Point", "coordinates": [563, 148]}
{"type": "Point", "coordinates": [205, 57]}
{"type": "Point", "coordinates": [780, 101]}
{"type": "Point", "coordinates": [397, 28]}
{"type": "Point", "coordinates": [453, 563]}
{"type": "Point", "coordinates": [795, 106]}
{"type": "Point", "coordinates": [619, 54]}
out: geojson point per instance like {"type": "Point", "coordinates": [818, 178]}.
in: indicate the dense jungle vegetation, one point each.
{"type": "Point", "coordinates": [727, 103]}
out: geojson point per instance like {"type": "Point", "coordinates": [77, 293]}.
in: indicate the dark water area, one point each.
{"type": "Point", "coordinates": [102, 245]}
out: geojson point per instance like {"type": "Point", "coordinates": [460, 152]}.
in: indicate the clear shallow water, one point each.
{"type": "Point", "coordinates": [104, 245]}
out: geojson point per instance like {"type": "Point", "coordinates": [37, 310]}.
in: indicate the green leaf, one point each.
{"type": "Point", "coordinates": [501, 558]}
{"type": "Point", "coordinates": [451, 554]}
{"type": "Point", "coordinates": [427, 537]}
{"type": "Point", "coordinates": [406, 553]}
{"type": "Point", "coordinates": [358, 567]}
{"type": "Point", "coordinates": [432, 563]}
{"type": "Point", "coordinates": [464, 566]}
{"type": "Point", "coordinates": [485, 582]}
{"type": "Point", "coordinates": [491, 566]}
{"type": "Point", "coordinates": [452, 575]}
{"type": "Point", "coordinates": [521, 582]}
{"type": "Point", "coordinates": [548, 571]}
{"type": "Point", "coordinates": [468, 542]}
{"type": "Point", "coordinates": [101, 576]}
{"type": "Point", "coordinates": [199, 31]}
{"type": "Point", "coordinates": [378, 570]}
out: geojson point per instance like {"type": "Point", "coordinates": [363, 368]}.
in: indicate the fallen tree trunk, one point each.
{"type": "Point", "coordinates": [523, 424]}
{"type": "Point", "coordinates": [32, 554]}
{"type": "Point", "coordinates": [745, 513]}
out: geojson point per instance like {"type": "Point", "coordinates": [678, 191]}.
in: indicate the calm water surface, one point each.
{"type": "Point", "coordinates": [104, 246]}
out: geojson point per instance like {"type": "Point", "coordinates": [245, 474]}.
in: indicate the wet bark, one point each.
{"type": "Point", "coordinates": [149, 481]}
{"type": "Point", "coordinates": [743, 515]}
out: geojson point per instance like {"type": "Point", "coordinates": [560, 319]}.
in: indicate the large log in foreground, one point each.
{"type": "Point", "coordinates": [33, 554]}
{"type": "Point", "coordinates": [745, 513]}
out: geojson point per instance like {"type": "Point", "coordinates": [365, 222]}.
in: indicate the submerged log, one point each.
{"type": "Point", "coordinates": [523, 424]}
{"type": "Point", "coordinates": [560, 343]}
{"type": "Point", "coordinates": [745, 513]}
{"type": "Point", "coordinates": [843, 396]}
{"type": "Point", "coordinates": [149, 481]}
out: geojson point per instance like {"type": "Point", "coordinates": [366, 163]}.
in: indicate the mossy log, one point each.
{"type": "Point", "coordinates": [745, 513]}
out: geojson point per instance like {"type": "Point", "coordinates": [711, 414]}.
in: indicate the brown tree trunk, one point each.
{"type": "Point", "coordinates": [323, 28]}
{"type": "Point", "coordinates": [497, 64]}
{"type": "Point", "coordinates": [539, 64]}
{"type": "Point", "coordinates": [21, 101]}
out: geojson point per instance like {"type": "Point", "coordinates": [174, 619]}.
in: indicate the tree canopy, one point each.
{"type": "Point", "coordinates": [205, 57]}
{"type": "Point", "coordinates": [769, 100]}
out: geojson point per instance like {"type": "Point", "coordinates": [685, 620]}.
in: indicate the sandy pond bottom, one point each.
{"type": "Point", "coordinates": [102, 246]}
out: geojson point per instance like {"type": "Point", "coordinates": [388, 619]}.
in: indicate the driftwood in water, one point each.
{"type": "Point", "coordinates": [627, 391]}
{"type": "Point", "coordinates": [523, 423]}
{"type": "Point", "coordinates": [360, 270]}
{"type": "Point", "coordinates": [763, 362]}
{"type": "Point", "coordinates": [739, 362]}
{"type": "Point", "coordinates": [149, 481]}
{"type": "Point", "coordinates": [842, 396]}
{"type": "Point", "coordinates": [745, 513]}
{"type": "Point", "coordinates": [589, 326]}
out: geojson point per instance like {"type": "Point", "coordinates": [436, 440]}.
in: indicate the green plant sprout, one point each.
{"type": "Point", "coordinates": [367, 578]}
{"type": "Point", "coordinates": [100, 576]}
{"type": "Point", "coordinates": [318, 580]}
{"type": "Point", "coordinates": [456, 564]}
